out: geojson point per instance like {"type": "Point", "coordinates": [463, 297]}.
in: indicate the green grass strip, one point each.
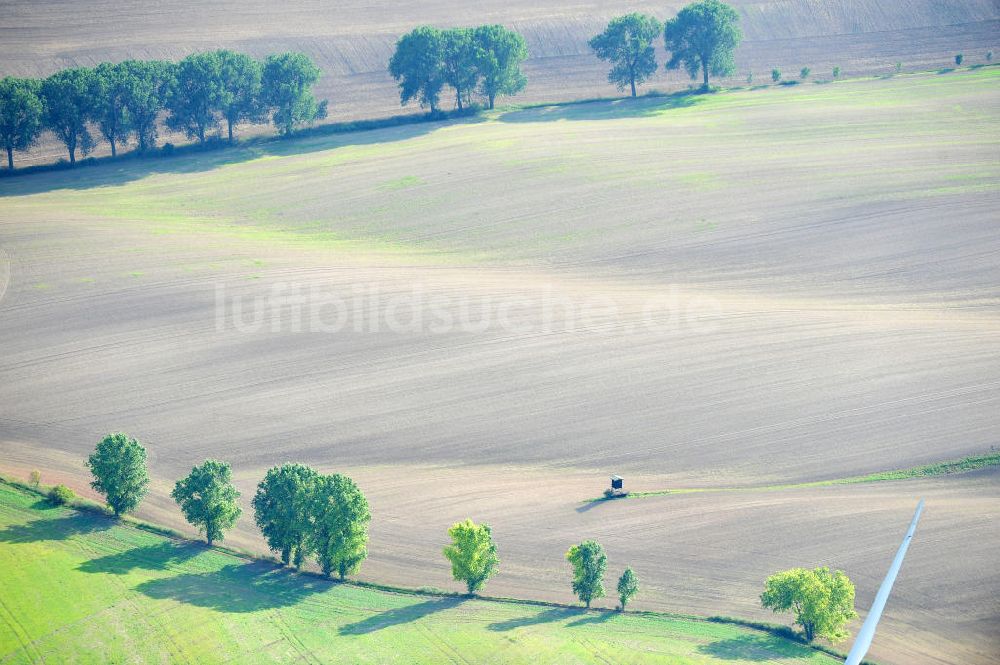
{"type": "Point", "coordinates": [963, 465]}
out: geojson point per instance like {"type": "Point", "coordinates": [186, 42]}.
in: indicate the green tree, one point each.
{"type": "Point", "coordinates": [148, 84]}
{"type": "Point", "coordinates": [804, 73]}
{"type": "Point", "coordinates": [958, 59]}
{"type": "Point", "coordinates": [208, 499]}
{"type": "Point", "coordinates": [472, 553]}
{"type": "Point", "coordinates": [20, 115]}
{"type": "Point", "coordinates": [339, 516]}
{"type": "Point", "coordinates": [823, 602]}
{"type": "Point", "coordinates": [627, 43]}
{"type": "Point", "coordinates": [628, 586]}
{"type": "Point", "coordinates": [35, 479]}
{"type": "Point", "coordinates": [703, 36]}
{"type": "Point", "coordinates": [775, 74]}
{"type": "Point", "coordinates": [118, 465]}
{"type": "Point", "coordinates": [195, 97]}
{"type": "Point", "coordinates": [61, 495]}
{"type": "Point", "coordinates": [836, 72]}
{"type": "Point", "coordinates": [111, 88]}
{"type": "Point", "coordinates": [240, 89]}
{"type": "Point", "coordinates": [589, 563]}
{"type": "Point", "coordinates": [287, 84]}
{"type": "Point", "coordinates": [989, 56]}
{"type": "Point", "coordinates": [460, 63]}
{"type": "Point", "coordinates": [281, 509]}
{"type": "Point", "coordinates": [418, 65]}
{"type": "Point", "coordinates": [501, 52]}
{"type": "Point", "coordinates": [68, 103]}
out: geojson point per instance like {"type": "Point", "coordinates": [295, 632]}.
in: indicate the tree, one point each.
{"type": "Point", "coordinates": [501, 52]}
{"type": "Point", "coordinates": [118, 465]}
{"type": "Point", "coordinates": [589, 563]}
{"type": "Point", "coordinates": [240, 92]}
{"type": "Point", "coordinates": [196, 95]}
{"type": "Point", "coordinates": [208, 499]}
{"type": "Point", "coordinates": [148, 84]}
{"type": "Point", "coordinates": [20, 115]}
{"type": "Point", "coordinates": [35, 479]}
{"type": "Point", "coordinates": [989, 56]}
{"type": "Point", "coordinates": [417, 64]}
{"type": "Point", "coordinates": [804, 73]}
{"type": "Point", "coordinates": [703, 36]}
{"type": "Point", "coordinates": [836, 72]}
{"type": "Point", "coordinates": [472, 554]}
{"type": "Point", "coordinates": [68, 103]}
{"type": "Point", "coordinates": [628, 586]}
{"type": "Point", "coordinates": [287, 84]}
{"type": "Point", "coordinates": [775, 74]}
{"type": "Point", "coordinates": [111, 88]}
{"type": "Point", "coordinates": [823, 602]}
{"type": "Point", "coordinates": [61, 495]}
{"type": "Point", "coordinates": [281, 509]}
{"type": "Point", "coordinates": [627, 43]}
{"type": "Point", "coordinates": [460, 63]}
{"type": "Point", "coordinates": [339, 516]}
{"type": "Point", "coordinates": [958, 59]}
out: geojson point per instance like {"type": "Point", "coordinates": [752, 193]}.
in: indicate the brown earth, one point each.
{"type": "Point", "coordinates": [759, 287]}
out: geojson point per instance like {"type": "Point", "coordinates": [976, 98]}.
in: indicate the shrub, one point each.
{"type": "Point", "coordinates": [958, 59]}
{"type": "Point", "coordinates": [804, 72]}
{"type": "Point", "coordinates": [775, 74]}
{"type": "Point", "coordinates": [836, 72]}
{"type": "Point", "coordinates": [61, 495]}
{"type": "Point", "coordinates": [609, 493]}
{"type": "Point", "coordinates": [35, 478]}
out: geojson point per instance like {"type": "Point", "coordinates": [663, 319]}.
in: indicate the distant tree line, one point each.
{"type": "Point", "coordinates": [124, 101]}
{"type": "Point", "coordinates": [484, 61]}
{"type": "Point", "coordinates": [702, 38]}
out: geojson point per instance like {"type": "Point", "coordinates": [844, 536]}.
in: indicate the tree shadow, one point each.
{"type": "Point", "coordinates": [628, 107]}
{"type": "Point", "coordinates": [401, 615]}
{"type": "Point", "coordinates": [754, 647]}
{"type": "Point", "coordinates": [248, 587]}
{"type": "Point", "coordinates": [111, 172]}
{"type": "Point", "coordinates": [153, 557]}
{"type": "Point", "coordinates": [590, 505]}
{"type": "Point", "coordinates": [593, 618]}
{"type": "Point", "coordinates": [54, 528]}
{"type": "Point", "coordinates": [548, 616]}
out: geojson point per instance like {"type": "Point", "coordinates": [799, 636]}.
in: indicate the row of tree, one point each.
{"type": "Point", "coordinates": [303, 513]}
{"type": "Point", "coordinates": [485, 60]}
{"type": "Point", "coordinates": [124, 100]}
{"type": "Point", "coordinates": [702, 38]}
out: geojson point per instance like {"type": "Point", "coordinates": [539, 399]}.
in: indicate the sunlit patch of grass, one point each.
{"type": "Point", "coordinates": [400, 183]}
{"type": "Point", "coordinates": [701, 180]}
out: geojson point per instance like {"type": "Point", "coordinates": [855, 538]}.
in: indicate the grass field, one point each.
{"type": "Point", "coordinates": [821, 261]}
{"type": "Point", "coordinates": [79, 589]}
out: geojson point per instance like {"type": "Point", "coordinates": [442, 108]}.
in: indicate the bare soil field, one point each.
{"type": "Point", "coordinates": [488, 318]}
{"type": "Point", "coordinates": [352, 41]}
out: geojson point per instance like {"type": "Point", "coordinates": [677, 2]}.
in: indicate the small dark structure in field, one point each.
{"type": "Point", "coordinates": [617, 488]}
